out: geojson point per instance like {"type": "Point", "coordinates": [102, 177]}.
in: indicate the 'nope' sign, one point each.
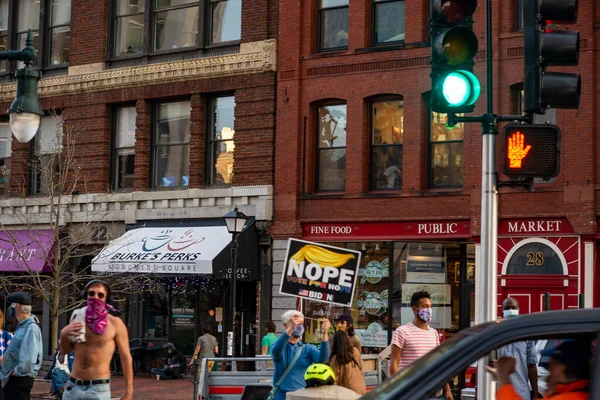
{"type": "Point", "coordinates": [319, 272]}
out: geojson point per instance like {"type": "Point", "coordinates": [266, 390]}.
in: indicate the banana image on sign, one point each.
{"type": "Point", "coordinates": [320, 272]}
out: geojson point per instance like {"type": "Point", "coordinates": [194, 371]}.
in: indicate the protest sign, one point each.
{"type": "Point", "coordinates": [320, 272]}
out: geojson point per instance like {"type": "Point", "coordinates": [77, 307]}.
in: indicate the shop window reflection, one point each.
{"type": "Point", "coordinates": [155, 315]}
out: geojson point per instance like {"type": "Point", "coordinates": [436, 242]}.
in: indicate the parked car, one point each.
{"type": "Point", "coordinates": [469, 392]}
{"type": "Point", "coordinates": [423, 378]}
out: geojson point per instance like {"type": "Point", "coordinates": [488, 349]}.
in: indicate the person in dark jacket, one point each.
{"type": "Point", "coordinates": [175, 365]}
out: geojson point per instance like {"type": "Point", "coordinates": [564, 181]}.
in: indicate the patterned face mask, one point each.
{"type": "Point", "coordinates": [96, 315]}
{"type": "Point", "coordinates": [425, 314]}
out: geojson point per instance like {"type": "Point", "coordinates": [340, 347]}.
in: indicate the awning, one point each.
{"type": "Point", "coordinates": [164, 250]}
{"type": "Point", "coordinates": [26, 250]}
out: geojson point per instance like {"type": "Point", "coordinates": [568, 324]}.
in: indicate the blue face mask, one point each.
{"type": "Point", "coordinates": [298, 331]}
{"type": "Point", "coordinates": [510, 313]}
{"type": "Point", "coordinates": [12, 311]}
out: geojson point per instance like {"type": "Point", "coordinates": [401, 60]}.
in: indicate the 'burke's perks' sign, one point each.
{"type": "Point", "coordinates": [319, 272]}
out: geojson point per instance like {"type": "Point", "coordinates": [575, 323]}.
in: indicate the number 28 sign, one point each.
{"type": "Point", "coordinates": [531, 151]}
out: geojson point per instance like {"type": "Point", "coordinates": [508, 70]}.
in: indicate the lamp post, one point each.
{"type": "Point", "coordinates": [235, 221]}
{"type": "Point", "coordinates": [25, 111]}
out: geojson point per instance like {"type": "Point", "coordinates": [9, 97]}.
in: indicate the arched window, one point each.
{"type": "Point", "coordinates": [331, 147]}
{"type": "Point", "coordinates": [387, 137]}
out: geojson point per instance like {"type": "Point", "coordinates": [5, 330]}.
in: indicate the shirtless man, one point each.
{"type": "Point", "coordinates": [90, 377]}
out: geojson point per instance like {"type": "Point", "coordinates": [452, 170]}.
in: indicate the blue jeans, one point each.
{"type": "Point", "coordinates": [87, 392]}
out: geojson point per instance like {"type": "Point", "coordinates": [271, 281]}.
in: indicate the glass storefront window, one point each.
{"type": "Point", "coordinates": [183, 318]}
{"type": "Point", "coordinates": [156, 312]}
{"type": "Point", "coordinates": [414, 266]}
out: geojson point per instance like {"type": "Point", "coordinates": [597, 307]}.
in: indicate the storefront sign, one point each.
{"type": "Point", "coordinates": [373, 303]}
{"type": "Point", "coordinates": [183, 317]}
{"type": "Point", "coordinates": [440, 294]}
{"type": "Point", "coordinates": [177, 250]}
{"type": "Point", "coordinates": [26, 250]}
{"type": "Point", "coordinates": [319, 272]}
{"type": "Point", "coordinates": [534, 227]}
{"type": "Point", "coordinates": [387, 230]}
{"type": "Point", "coordinates": [373, 336]}
{"type": "Point", "coordinates": [424, 271]}
{"type": "Point", "coordinates": [374, 271]}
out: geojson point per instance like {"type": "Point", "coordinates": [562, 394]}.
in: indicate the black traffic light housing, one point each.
{"type": "Point", "coordinates": [545, 47]}
{"type": "Point", "coordinates": [531, 151]}
{"type": "Point", "coordinates": [454, 87]}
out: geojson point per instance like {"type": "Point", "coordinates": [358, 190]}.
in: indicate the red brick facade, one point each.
{"type": "Point", "coordinates": [307, 77]}
{"type": "Point", "coordinates": [91, 112]}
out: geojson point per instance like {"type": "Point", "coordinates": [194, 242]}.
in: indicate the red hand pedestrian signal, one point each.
{"type": "Point", "coordinates": [517, 150]}
{"type": "Point", "coordinates": [530, 151]}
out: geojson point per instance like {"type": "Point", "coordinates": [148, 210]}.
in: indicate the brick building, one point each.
{"type": "Point", "coordinates": [363, 163]}
{"type": "Point", "coordinates": [152, 90]}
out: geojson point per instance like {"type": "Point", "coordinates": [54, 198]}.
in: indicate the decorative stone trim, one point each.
{"type": "Point", "coordinates": [255, 201]}
{"type": "Point", "coordinates": [253, 58]}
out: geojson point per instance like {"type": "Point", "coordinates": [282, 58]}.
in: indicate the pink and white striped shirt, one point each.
{"type": "Point", "coordinates": [414, 342]}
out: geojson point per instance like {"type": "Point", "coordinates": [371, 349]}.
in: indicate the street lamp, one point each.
{"type": "Point", "coordinates": [25, 112]}
{"type": "Point", "coordinates": [235, 221]}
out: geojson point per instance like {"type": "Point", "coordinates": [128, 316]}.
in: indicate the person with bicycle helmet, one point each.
{"type": "Point", "coordinates": [319, 375]}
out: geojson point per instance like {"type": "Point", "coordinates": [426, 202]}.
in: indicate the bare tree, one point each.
{"type": "Point", "coordinates": [46, 234]}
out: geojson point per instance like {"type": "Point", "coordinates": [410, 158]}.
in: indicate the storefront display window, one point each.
{"type": "Point", "coordinates": [414, 266]}
{"type": "Point", "coordinates": [155, 315]}
{"type": "Point", "coordinates": [370, 303]}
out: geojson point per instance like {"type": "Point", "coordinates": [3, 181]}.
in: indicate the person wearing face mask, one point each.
{"type": "Point", "coordinates": [94, 341]}
{"type": "Point", "coordinates": [5, 338]}
{"type": "Point", "coordinates": [415, 339]}
{"type": "Point", "coordinates": [174, 366]}
{"type": "Point", "coordinates": [525, 357]}
{"type": "Point", "coordinates": [284, 353]}
{"type": "Point", "coordinates": [345, 323]}
{"type": "Point", "coordinates": [569, 372]}
{"type": "Point", "coordinates": [23, 357]}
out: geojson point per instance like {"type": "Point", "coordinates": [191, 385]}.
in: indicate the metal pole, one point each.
{"type": "Point", "coordinates": [231, 333]}
{"type": "Point", "coordinates": [547, 301]}
{"type": "Point", "coordinates": [486, 277]}
{"type": "Point", "coordinates": [581, 300]}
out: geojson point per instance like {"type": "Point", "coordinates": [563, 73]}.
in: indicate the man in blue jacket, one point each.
{"type": "Point", "coordinates": [23, 358]}
{"type": "Point", "coordinates": [285, 348]}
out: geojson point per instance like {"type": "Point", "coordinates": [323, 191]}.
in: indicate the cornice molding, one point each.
{"type": "Point", "coordinates": [253, 58]}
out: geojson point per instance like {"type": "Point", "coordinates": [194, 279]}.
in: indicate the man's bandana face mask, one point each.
{"type": "Point", "coordinates": [96, 315]}
{"type": "Point", "coordinates": [425, 314]}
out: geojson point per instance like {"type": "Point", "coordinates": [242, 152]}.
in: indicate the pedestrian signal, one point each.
{"type": "Point", "coordinates": [531, 151]}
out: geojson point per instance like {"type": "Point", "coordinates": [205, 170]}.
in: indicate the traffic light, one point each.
{"type": "Point", "coordinates": [543, 47]}
{"type": "Point", "coordinates": [531, 151]}
{"type": "Point", "coordinates": [454, 87]}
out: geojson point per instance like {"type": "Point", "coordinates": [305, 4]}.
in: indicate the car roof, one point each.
{"type": "Point", "coordinates": [438, 366]}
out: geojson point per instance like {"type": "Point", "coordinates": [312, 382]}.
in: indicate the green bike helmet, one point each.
{"type": "Point", "coordinates": [319, 375]}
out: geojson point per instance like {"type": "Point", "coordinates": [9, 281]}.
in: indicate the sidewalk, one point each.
{"type": "Point", "coordinates": [144, 388]}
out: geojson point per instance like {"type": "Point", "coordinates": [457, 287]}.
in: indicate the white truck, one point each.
{"type": "Point", "coordinates": [253, 380]}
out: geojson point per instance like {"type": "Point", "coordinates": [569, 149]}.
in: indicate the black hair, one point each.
{"type": "Point", "coordinates": [207, 329]}
{"type": "Point", "coordinates": [270, 326]}
{"type": "Point", "coordinates": [414, 300]}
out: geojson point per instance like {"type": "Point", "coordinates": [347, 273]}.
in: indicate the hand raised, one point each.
{"type": "Point", "coordinates": [72, 329]}
{"type": "Point", "coordinates": [517, 150]}
{"type": "Point", "coordinates": [325, 326]}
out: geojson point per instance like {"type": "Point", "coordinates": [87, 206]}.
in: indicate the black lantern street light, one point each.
{"type": "Point", "coordinates": [25, 112]}
{"type": "Point", "coordinates": [235, 221]}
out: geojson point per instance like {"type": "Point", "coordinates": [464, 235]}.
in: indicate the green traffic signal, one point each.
{"type": "Point", "coordinates": [454, 46]}
{"type": "Point", "coordinates": [460, 88]}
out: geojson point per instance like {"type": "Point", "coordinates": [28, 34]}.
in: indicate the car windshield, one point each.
{"type": "Point", "coordinates": [399, 380]}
